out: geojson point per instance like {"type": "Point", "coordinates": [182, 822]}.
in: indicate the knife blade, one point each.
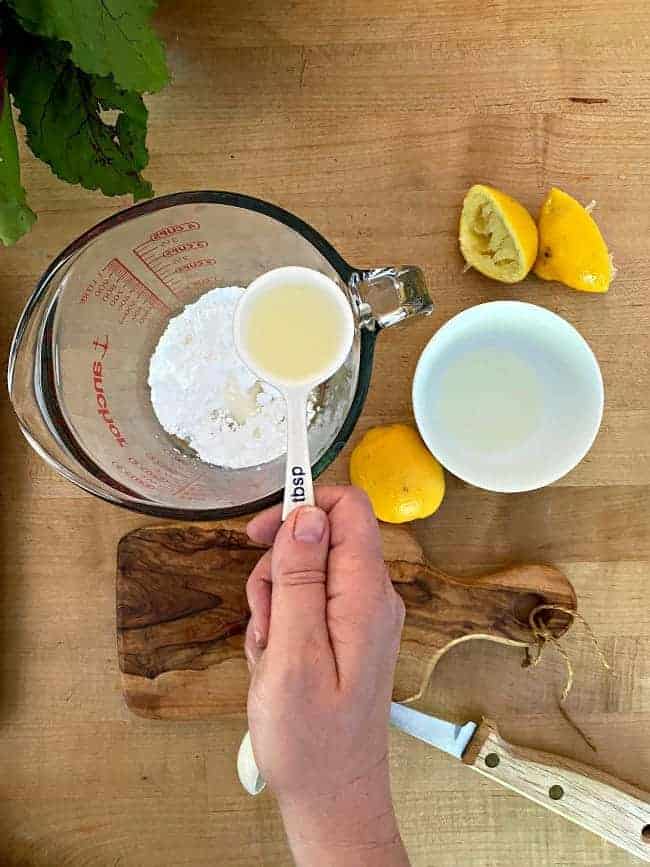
{"type": "Point", "coordinates": [443, 735]}
{"type": "Point", "coordinates": [611, 808]}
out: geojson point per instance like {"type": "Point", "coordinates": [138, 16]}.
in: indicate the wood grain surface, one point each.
{"type": "Point", "coordinates": [369, 119]}
{"type": "Point", "coordinates": [181, 616]}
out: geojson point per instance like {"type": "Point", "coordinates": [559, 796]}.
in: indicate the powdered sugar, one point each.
{"type": "Point", "coordinates": [202, 393]}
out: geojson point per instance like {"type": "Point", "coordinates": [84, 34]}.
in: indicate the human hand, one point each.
{"type": "Point", "coordinates": [322, 644]}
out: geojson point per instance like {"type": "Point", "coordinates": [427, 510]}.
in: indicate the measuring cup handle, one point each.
{"type": "Point", "coordinates": [298, 483]}
{"type": "Point", "coordinates": [372, 288]}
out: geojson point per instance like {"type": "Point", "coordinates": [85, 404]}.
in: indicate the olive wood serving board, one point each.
{"type": "Point", "coordinates": [182, 614]}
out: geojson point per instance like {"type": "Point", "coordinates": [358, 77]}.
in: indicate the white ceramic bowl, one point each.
{"type": "Point", "coordinates": [508, 396]}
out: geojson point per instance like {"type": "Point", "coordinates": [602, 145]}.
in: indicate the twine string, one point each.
{"type": "Point", "coordinates": [543, 636]}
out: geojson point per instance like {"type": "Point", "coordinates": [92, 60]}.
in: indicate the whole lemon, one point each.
{"type": "Point", "coordinates": [402, 478]}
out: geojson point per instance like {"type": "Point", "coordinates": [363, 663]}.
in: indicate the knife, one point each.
{"type": "Point", "coordinates": [614, 810]}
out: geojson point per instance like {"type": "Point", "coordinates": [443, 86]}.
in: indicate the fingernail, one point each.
{"type": "Point", "coordinates": [309, 525]}
{"type": "Point", "coordinates": [249, 660]}
{"type": "Point", "coordinates": [257, 635]}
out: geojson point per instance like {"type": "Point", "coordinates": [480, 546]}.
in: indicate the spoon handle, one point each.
{"type": "Point", "coordinates": [298, 484]}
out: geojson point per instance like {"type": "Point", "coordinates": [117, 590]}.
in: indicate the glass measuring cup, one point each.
{"type": "Point", "coordinates": [79, 358]}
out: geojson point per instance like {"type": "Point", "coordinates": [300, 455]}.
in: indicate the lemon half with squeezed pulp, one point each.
{"type": "Point", "coordinates": [498, 236]}
{"type": "Point", "coordinates": [571, 247]}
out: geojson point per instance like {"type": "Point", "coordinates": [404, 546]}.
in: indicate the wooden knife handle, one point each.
{"type": "Point", "coordinates": [614, 810]}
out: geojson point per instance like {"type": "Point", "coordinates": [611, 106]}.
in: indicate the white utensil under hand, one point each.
{"type": "Point", "coordinates": [294, 296]}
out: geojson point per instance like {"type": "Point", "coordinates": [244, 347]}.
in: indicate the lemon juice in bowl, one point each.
{"type": "Point", "coordinates": [490, 399]}
{"type": "Point", "coordinates": [508, 396]}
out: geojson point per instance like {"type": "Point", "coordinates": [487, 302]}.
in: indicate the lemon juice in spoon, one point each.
{"type": "Point", "coordinates": [293, 330]}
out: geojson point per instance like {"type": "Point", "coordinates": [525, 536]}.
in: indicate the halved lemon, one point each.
{"type": "Point", "coordinates": [498, 236]}
{"type": "Point", "coordinates": [571, 248]}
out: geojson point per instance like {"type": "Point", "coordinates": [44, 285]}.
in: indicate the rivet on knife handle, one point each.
{"type": "Point", "coordinates": [591, 798]}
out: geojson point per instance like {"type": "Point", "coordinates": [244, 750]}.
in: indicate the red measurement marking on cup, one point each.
{"type": "Point", "coordinates": [185, 491]}
{"type": "Point", "coordinates": [169, 253]}
{"type": "Point", "coordinates": [134, 478]}
{"type": "Point", "coordinates": [118, 287]}
{"type": "Point", "coordinates": [177, 249]}
{"type": "Point", "coordinates": [196, 492]}
{"type": "Point", "coordinates": [194, 264]}
{"type": "Point", "coordinates": [154, 474]}
{"type": "Point", "coordinates": [174, 229]}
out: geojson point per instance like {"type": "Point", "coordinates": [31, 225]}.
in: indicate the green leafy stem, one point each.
{"type": "Point", "coordinates": [77, 70]}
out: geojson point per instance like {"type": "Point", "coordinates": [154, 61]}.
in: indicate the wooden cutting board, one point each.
{"type": "Point", "coordinates": [182, 614]}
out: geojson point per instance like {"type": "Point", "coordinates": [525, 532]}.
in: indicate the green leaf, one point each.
{"type": "Point", "coordinates": [16, 218]}
{"type": "Point", "coordinates": [107, 37]}
{"type": "Point", "coordinates": [64, 112]}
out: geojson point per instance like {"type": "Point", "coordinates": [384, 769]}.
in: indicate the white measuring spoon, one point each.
{"type": "Point", "coordinates": [294, 329]}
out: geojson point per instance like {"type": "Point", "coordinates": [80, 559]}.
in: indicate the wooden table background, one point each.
{"type": "Point", "coordinates": [369, 118]}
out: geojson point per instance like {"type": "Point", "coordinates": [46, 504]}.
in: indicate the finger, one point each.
{"type": "Point", "coordinates": [299, 573]}
{"type": "Point", "coordinates": [364, 613]}
{"type": "Point", "coordinates": [356, 565]}
{"type": "Point", "coordinates": [252, 649]}
{"type": "Point", "coordinates": [258, 593]}
{"type": "Point", "coordinates": [263, 527]}
{"type": "Point", "coordinates": [357, 568]}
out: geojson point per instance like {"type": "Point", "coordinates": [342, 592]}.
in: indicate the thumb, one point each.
{"type": "Point", "coordinates": [299, 576]}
